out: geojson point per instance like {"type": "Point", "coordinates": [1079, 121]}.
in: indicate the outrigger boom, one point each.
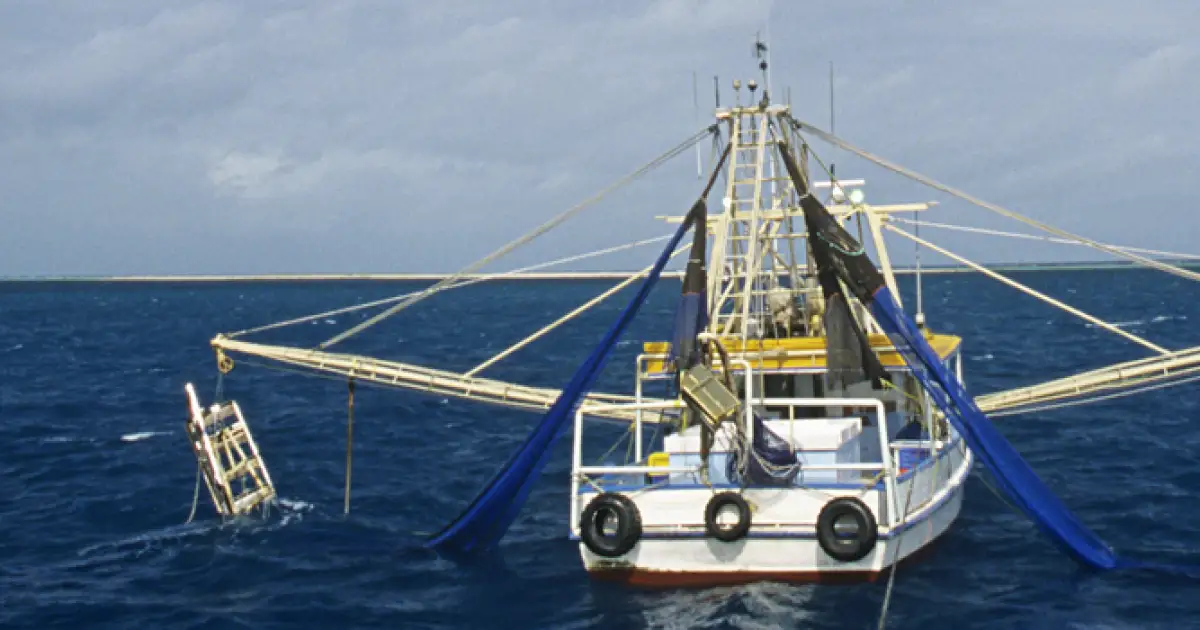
{"type": "Point", "coordinates": [1125, 378]}
{"type": "Point", "coordinates": [795, 370]}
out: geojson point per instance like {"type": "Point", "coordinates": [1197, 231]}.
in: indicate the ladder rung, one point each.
{"type": "Point", "coordinates": [249, 500]}
{"type": "Point", "coordinates": [224, 412]}
{"type": "Point", "coordinates": [236, 433]}
{"type": "Point", "coordinates": [241, 468]}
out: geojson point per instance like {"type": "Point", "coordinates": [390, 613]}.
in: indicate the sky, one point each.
{"type": "Point", "coordinates": [178, 136]}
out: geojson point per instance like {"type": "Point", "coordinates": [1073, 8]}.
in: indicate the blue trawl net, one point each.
{"type": "Point", "coordinates": [773, 462]}
{"type": "Point", "coordinates": [1013, 475]}
{"type": "Point", "coordinates": [690, 318]}
{"type": "Point", "coordinates": [489, 516]}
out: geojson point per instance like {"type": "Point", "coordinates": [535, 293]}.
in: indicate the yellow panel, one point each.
{"type": "Point", "coordinates": [658, 460]}
{"type": "Point", "coordinates": [802, 352]}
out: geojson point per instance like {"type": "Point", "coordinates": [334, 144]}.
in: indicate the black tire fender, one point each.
{"type": "Point", "coordinates": [626, 533]}
{"type": "Point", "coordinates": [841, 547]}
{"type": "Point", "coordinates": [716, 504]}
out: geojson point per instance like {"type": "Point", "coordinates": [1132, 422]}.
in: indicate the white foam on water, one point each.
{"type": "Point", "coordinates": [143, 435]}
{"type": "Point", "coordinates": [294, 505]}
{"type": "Point", "coordinates": [291, 510]}
{"type": "Point", "coordinates": [1128, 324]}
{"type": "Point", "coordinates": [63, 439]}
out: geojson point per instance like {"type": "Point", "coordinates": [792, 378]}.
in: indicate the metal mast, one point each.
{"type": "Point", "coordinates": [755, 260]}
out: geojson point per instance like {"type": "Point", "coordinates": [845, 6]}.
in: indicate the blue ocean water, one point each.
{"type": "Point", "coordinates": [96, 475]}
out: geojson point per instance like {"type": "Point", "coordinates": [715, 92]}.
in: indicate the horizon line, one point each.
{"type": "Point", "coordinates": [546, 275]}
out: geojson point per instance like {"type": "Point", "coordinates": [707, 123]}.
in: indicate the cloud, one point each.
{"type": "Point", "coordinates": [369, 135]}
{"type": "Point", "coordinates": [1155, 72]}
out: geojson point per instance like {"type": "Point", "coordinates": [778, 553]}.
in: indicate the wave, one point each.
{"type": "Point", "coordinates": [1157, 319]}
{"type": "Point", "coordinates": [142, 435]}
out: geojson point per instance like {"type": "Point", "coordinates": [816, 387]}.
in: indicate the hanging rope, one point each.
{"type": "Point", "coordinates": [195, 496]}
{"type": "Point", "coordinates": [349, 439]}
{"type": "Point", "coordinates": [542, 229]}
{"type": "Point", "coordinates": [1083, 240]}
{"type": "Point", "coordinates": [457, 285]}
{"type": "Point", "coordinates": [887, 595]}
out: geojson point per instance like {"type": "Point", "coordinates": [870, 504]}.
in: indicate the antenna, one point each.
{"type": "Point", "coordinates": [696, 106]}
{"type": "Point", "coordinates": [920, 317]}
{"type": "Point", "coordinates": [763, 54]}
{"type": "Point", "coordinates": [832, 167]}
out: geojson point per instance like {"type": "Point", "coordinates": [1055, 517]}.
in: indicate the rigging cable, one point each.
{"type": "Point", "coordinates": [457, 285]}
{"type": "Point", "coordinates": [565, 318]}
{"type": "Point", "coordinates": [900, 170]}
{"type": "Point", "coordinates": [1029, 291]}
{"type": "Point", "coordinates": [542, 229]}
{"type": "Point", "coordinates": [887, 595]}
{"type": "Point", "coordinates": [1035, 237]}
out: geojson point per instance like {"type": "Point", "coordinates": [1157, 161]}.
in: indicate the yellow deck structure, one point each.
{"type": "Point", "coordinates": [797, 352]}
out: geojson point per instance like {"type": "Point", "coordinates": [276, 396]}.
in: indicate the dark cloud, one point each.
{"type": "Point", "coordinates": [339, 135]}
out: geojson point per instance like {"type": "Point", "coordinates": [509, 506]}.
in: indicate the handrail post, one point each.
{"type": "Point", "coordinates": [889, 469]}
{"type": "Point", "coordinates": [637, 414]}
{"type": "Point", "coordinates": [958, 371]}
{"type": "Point", "coordinates": [749, 392]}
{"type": "Point", "coordinates": [576, 462]}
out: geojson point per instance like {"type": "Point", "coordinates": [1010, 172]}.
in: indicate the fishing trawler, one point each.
{"type": "Point", "coordinates": [801, 447]}
{"type": "Point", "coordinates": [798, 425]}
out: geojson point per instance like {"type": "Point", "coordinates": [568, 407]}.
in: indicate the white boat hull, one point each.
{"type": "Point", "coordinates": [779, 545]}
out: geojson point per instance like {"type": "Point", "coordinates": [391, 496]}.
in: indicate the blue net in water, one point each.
{"type": "Point", "coordinates": [1012, 474]}
{"type": "Point", "coordinates": [488, 517]}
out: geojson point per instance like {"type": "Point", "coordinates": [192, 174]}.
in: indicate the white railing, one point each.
{"type": "Point", "coordinates": [580, 473]}
{"type": "Point", "coordinates": [889, 478]}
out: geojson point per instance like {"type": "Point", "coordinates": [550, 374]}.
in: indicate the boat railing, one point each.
{"type": "Point", "coordinates": [583, 474]}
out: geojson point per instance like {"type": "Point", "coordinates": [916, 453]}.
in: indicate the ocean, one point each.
{"type": "Point", "coordinates": [97, 478]}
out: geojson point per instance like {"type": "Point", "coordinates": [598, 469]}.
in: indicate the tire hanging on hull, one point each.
{"type": "Point", "coordinates": [626, 532]}
{"type": "Point", "coordinates": [840, 545]}
{"type": "Point", "coordinates": [720, 531]}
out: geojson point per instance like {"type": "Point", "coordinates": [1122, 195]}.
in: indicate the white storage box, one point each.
{"type": "Point", "coordinates": [817, 441]}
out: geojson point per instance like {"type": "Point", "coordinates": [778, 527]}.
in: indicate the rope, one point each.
{"type": "Point", "coordinates": [1035, 237]}
{"type": "Point", "coordinates": [565, 318]}
{"type": "Point", "coordinates": [195, 496]}
{"type": "Point", "coordinates": [1083, 240]}
{"type": "Point", "coordinates": [887, 595]}
{"type": "Point", "coordinates": [542, 229]}
{"type": "Point", "coordinates": [611, 449]}
{"type": "Point", "coordinates": [464, 283]}
{"type": "Point", "coordinates": [1037, 294]}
